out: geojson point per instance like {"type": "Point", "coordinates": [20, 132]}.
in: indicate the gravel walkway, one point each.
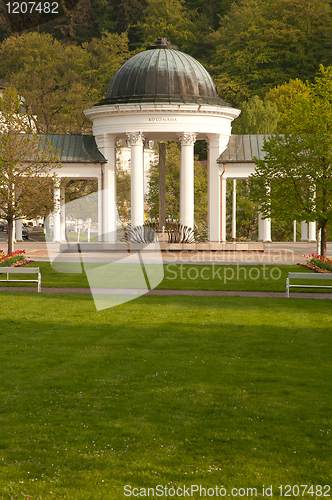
{"type": "Point", "coordinates": [191, 293]}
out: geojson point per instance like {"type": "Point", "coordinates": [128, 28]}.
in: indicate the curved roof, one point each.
{"type": "Point", "coordinates": [162, 74]}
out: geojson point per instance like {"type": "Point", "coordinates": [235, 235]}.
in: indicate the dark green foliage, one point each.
{"type": "Point", "coordinates": [173, 187]}
{"type": "Point", "coordinates": [263, 43]}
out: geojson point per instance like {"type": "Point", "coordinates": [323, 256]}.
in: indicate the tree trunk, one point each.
{"type": "Point", "coordinates": [10, 235]}
{"type": "Point", "coordinates": [323, 240]}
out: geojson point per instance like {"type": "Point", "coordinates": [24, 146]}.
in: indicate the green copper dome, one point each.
{"type": "Point", "coordinates": [162, 74]}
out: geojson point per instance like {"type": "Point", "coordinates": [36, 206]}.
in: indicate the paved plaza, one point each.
{"type": "Point", "coordinates": [274, 254]}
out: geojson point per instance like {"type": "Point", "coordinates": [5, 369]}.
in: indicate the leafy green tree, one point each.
{"type": "Point", "coordinates": [263, 43]}
{"type": "Point", "coordinates": [284, 96]}
{"type": "Point", "coordinates": [173, 187]}
{"type": "Point", "coordinates": [59, 80]}
{"type": "Point", "coordinates": [26, 165]}
{"type": "Point", "coordinates": [100, 59]}
{"type": "Point", "coordinates": [294, 181]}
{"type": "Point", "coordinates": [170, 19]}
{"type": "Point", "coordinates": [45, 72]}
{"type": "Point", "coordinates": [257, 117]}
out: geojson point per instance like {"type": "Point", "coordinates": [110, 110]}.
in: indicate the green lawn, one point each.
{"type": "Point", "coordinates": [194, 277]}
{"type": "Point", "coordinates": [232, 392]}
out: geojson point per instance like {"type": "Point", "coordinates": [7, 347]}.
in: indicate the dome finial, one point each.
{"type": "Point", "coordinates": [162, 43]}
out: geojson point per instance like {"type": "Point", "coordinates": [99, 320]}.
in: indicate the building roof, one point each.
{"type": "Point", "coordinates": [76, 148]}
{"type": "Point", "coordinates": [243, 149]}
{"type": "Point", "coordinates": [162, 74]}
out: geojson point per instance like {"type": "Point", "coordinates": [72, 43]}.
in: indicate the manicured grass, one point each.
{"type": "Point", "coordinates": [194, 277]}
{"type": "Point", "coordinates": [229, 277]}
{"type": "Point", "coordinates": [234, 392]}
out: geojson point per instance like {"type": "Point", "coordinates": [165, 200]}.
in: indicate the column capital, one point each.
{"type": "Point", "coordinates": [135, 138]}
{"type": "Point", "coordinates": [187, 138]}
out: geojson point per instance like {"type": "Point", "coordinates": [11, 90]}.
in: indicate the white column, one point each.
{"type": "Point", "coordinates": [312, 232]}
{"type": "Point", "coordinates": [312, 225]}
{"type": "Point", "coordinates": [304, 231]}
{"type": "Point", "coordinates": [187, 179]}
{"type": "Point", "coordinates": [260, 227]}
{"type": "Point", "coordinates": [107, 146]}
{"type": "Point", "coordinates": [63, 213]}
{"type": "Point", "coordinates": [136, 142]}
{"type": "Point", "coordinates": [100, 209]}
{"type": "Point", "coordinates": [223, 186]}
{"type": "Point", "coordinates": [18, 230]}
{"type": "Point", "coordinates": [319, 241]}
{"type": "Point", "coordinates": [294, 231]}
{"type": "Point", "coordinates": [216, 145]}
{"type": "Point", "coordinates": [264, 229]}
{"type": "Point", "coordinates": [234, 212]}
{"type": "Point", "coordinates": [56, 212]}
{"type": "Point", "coordinates": [267, 230]}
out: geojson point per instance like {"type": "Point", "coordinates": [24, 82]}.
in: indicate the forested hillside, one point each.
{"type": "Point", "coordinates": [261, 54]}
{"type": "Point", "coordinates": [248, 46]}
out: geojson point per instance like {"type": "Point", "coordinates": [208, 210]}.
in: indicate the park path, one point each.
{"type": "Point", "coordinates": [190, 293]}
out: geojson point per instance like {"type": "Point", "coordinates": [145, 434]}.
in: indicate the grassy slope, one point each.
{"type": "Point", "coordinates": [162, 390]}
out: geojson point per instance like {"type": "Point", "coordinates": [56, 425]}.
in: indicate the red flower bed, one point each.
{"type": "Point", "coordinates": [14, 259]}
{"type": "Point", "coordinates": [318, 264]}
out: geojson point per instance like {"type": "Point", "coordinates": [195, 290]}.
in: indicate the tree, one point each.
{"type": "Point", "coordinates": [263, 43]}
{"type": "Point", "coordinates": [169, 19]}
{"type": "Point", "coordinates": [284, 96]}
{"type": "Point", "coordinates": [59, 80]}
{"type": "Point", "coordinates": [26, 165]}
{"type": "Point", "coordinates": [257, 117]}
{"type": "Point", "coordinates": [173, 187]}
{"type": "Point", "coordinates": [294, 181]}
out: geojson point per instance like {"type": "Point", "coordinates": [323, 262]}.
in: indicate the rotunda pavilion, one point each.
{"type": "Point", "coordinates": [162, 94]}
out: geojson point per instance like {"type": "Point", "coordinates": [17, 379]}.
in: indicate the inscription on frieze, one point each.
{"type": "Point", "coordinates": [158, 119]}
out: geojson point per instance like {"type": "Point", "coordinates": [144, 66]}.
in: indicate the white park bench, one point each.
{"type": "Point", "coordinates": [307, 276]}
{"type": "Point", "coordinates": [21, 270]}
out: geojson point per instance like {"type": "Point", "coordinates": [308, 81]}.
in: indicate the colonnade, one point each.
{"type": "Point", "coordinates": [308, 229]}
{"type": "Point", "coordinates": [107, 213]}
